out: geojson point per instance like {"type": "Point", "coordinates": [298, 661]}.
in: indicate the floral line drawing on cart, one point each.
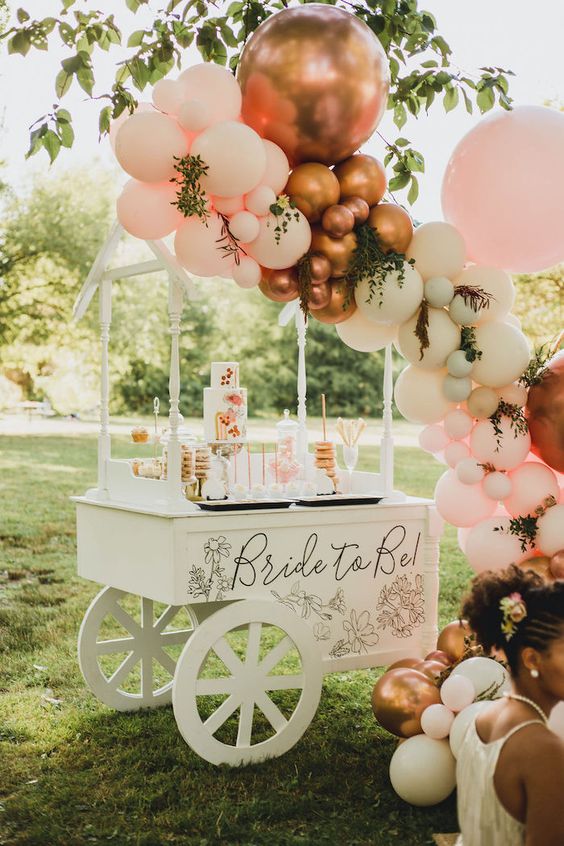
{"type": "Point", "coordinates": [306, 603]}
{"type": "Point", "coordinates": [400, 606]}
{"type": "Point", "coordinates": [360, 633]}
{"type": "Point", "coordinates": [200, 585]}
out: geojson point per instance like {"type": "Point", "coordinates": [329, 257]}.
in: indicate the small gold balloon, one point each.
{"type": "Point", "coordinates": [337, 221]}
{"type": "Point", "coordinates": [400, 697]}
{"type": "Point", "coordinates": [339, 251]}
{"type": "Point", "coordinates": [313, 188]}
{"type": "Point", "coordinates": [557, 565]}
{"type": "Point", "coordinates": [393, 226]}
{"type": "Point", "coordinates": [438, 655]}
{"type": "Point", "coordinates": [410, 663]}
{"type": "Point", "coordinates": [336, 312]}
{"type": "Point", "coordinates": [320, 268]}
{"type": "Point", "coordinates": [361, 176]}
{"type": "Point", "coordinates": [280, 286]}
{"type": "Point", "coordinates": [320, 295]}
{"type": "Point", "coordinates": [359, 208]}
{"type": "Point", "coordinates": [451, 639]}
{"type": "Point", "coordinates": [539, 564]}
{"type": "Point", "coordinates": [433, 669]}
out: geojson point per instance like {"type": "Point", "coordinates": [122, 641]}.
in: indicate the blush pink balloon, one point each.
{"type": "Point", "coordinates": [433, 438]}
{"type": "Point", "coordinates": [228, 205]}
{"type": "Point", "coordinates": [145, 209]}
{"type": "Point", "coordinates": [284, 252]}
{"type": "Point", "coordinates": [490, 546]}
{"type": "Point", "coordinates": [531, 482]}
{"type": "Point", "coordinates": [506, 450]}
{"type": "Point", "coordinates": [115, 124]}
{"type": "Point", "coordinates": [498, 160]}
{"type": "Point", "coordinates": [196, 247]}
{"type": "Point", "coordinates": [277, 167]}
{"type": "Point", "coordinates": [247, 274]}
{"type": "Point", "coordinates": [459, 504]}
{"type": "Point", "coordinates": [147, 144]}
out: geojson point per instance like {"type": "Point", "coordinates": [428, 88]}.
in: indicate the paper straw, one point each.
{"type": "Point", "coordinates": [276, 461]}
{"type": "Point", "coordinates": [263, 466]}
{"type": "Point", "coordinates": [249, 463]}
{"type": "Point", "coordinates": [235, 451]}
{"type": "Point", "coordinates": [323, 417]}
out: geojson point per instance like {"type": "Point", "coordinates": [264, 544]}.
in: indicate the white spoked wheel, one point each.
{"type": "Point", "coordinates": [247, 684]}
{"type": "Point", "coordinates": [128, 647]}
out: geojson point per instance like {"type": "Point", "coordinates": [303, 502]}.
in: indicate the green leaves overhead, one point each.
{"type": "Point", "coordinates": [419, 58]}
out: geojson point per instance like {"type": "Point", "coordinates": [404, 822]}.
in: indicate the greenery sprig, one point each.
{"type": "Point", "coordinates": [229, 244]}
{"type": "Point", "coordinates": [284, 210]}
{"type": "Point", "coordinates": [517, 421]}
{"type": "Point", "coordinates": [421, 330]}
{"type": "Point", "coordinates": [305, 280]}
{"type": "Point", "coordinates": [537, 366]}
{"type": "Point", "coordinates": [475, 297]}
{"type": "Point", "coordinates": [190, 196]}
{"type": "Point", "coordinates": [468, 344]}
{"type": "Point", "coordinates": [370, 261]}
{"type": "Point", "coordinates": [525, 528]}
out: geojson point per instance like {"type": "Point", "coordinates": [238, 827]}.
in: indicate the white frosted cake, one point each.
{"type": "Point", "coordinates": [225, 405]}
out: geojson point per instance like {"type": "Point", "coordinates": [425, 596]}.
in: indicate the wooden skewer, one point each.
{"type": "Point", "coordinates": [249, 463]}
{"type": "Point", "coordinates": [276, 462]}
{"type": "Point", "coordinates": [323, 417]}
{"type": "Point", "coordinates": [235, 465]}
{"type": "Point", "coordinates": [263, 466]}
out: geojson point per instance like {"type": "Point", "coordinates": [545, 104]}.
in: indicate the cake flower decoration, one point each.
{"type": "Point", "coordinates": [514, 610]}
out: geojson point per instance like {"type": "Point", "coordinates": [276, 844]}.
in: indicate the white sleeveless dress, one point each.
{"type": "Point", "coordinates": [482, 818]}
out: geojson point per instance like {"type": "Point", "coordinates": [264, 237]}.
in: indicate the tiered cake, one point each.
{"type": "Point", "coordinates": [225, 405]}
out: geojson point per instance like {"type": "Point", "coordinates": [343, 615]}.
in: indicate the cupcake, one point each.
{"type": "Point", "coordinates": [139, 434]}
{"type": "Point", "coordinates": [258, 491]}
{"type": "Point", "coordinates": [239, 491]}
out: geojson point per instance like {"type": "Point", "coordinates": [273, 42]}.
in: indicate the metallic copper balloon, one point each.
{"type": "Point", "coordinates": [539, 564]}
{"type": "Point", "coordinates": [337, 221]}
{"type": "Point", "coordinates": [339, 251]}
{"type": "Point", "coordinates": [433, 669]}
{"type": "Point", "coordinates": [557, 565]}
{"type": "Point", "coordinates": [313, 188]}
{"type": "Point", "coordinates": [320, 295]}
{"type": "Point", "coordinates": [400, 697]}
{"type": "Point", "coordinates": [438, 655]}
{"type": "Point", "coordinates": [335, 311]}
{"type": "Point", "coordinates": [320, 268]}
{"type": "Point", "coordinates": [362, 176]}
{"type": "Point", "coordinates": [545, 415]}
{"type": "Point", "coordinates": [359, 208]}
{"type": "Point", "coordinates": [404, 662]}
{"type": "Point", "coordinates": [393, 225]}
{"type": "Point", "coordinates": [280, 286]}
{"type": "Point", "coordinates": [315, 81]}
{"type": "Point", "coordinates": [451, 639]}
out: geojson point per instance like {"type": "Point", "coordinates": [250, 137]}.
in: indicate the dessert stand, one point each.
{"type": "Point", "coordinates": [270, 600]}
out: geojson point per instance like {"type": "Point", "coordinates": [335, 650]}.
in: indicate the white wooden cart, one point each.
{"type": "Point", "coordinates": [236, 617]}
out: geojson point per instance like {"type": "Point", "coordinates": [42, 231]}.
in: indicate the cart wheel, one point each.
{"type": "Point", "coordinates": [247, 684]}
{"type": "Point", "coordinates": [122, 648]}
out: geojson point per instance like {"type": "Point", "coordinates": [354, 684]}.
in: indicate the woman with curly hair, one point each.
{"type": "Point", "coordinates": [510, 769]}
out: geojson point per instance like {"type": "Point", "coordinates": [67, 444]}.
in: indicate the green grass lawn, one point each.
{"type": "Point", "coordinates": [73, 772]}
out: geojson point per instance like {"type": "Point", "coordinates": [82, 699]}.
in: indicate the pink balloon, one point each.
{"type": "Point", "coordinates": [228, 205]}
{"type": "Point", "coordinates": [244, 226]}
{"type": "Point", "coordinates": [147, 144]}
{"type": "Point", "coordinates": [460, 504]}
{"type": "Point", "coordinates": [247, 274]}
{"type": "Point", "coordinates": [489, 549]}
{"type": "Point", "coordinates": [436, 721]}
{"type": "Point", "coordinates": [433, 438]}
{"type": "Point", "coordinates": [505, 451]}
{"type": "Point", "coordinates": [167, 96]}
{"type": "Point", "coordinates": [491, 172]}
{"type": "Point", "coordinates": [283, 251]}
{"type": "Point", "coordinates": [532, 482]}
{"type": "Point", "coordinates": [277, 167]}
{"type": "Point", "coordinates": [197, 248]}
{"type": "Point", "coordinates": [145, 209]}
{"type": "Point", "coordinates": [115, 124]}
{"type": "Point", "coordinates": [455, 452]}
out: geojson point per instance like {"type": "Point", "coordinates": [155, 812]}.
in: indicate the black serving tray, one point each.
{"type": "Point", "coordinates": [219, 506]}
{"type": "Point", "coordinates": [338, 499]}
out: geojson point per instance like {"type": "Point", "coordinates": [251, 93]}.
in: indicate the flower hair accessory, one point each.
{"type": "Point", "coordinates": [514, 610]}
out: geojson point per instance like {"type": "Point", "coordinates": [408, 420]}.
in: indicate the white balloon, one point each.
{"type": "Point", "coordinates": [550, 534]}
{"type": "Point", "coordinates": [216, 87]}
{"type": "Point", "coordinates": [194, 115]}
{"type": "Point", "coordinates": [423, 770]}
{"type": "Point", "coordinates": [400, 299]}
{"type": "Point", "coordinates": [436, 721]}
{"type": "Point", "coordinates": [458, 365]}
{"type": "Point", "coordinates": [439, 291]}
{"type": "Point", "coordinates": [457, 692]}
{"type": "Point", "coordinates": [364, 335]}
{"type": "Point", "coordinates": [235, 157]}
{"type": "Point", "coordinates": [457, 390]}
{"type": "Point", "coordinates": [505, 354]}
{"type": "Point", "coordinates": [277, 167]}
{"type": "Point", "coordinates": [497, 485]}
{"type": "Point", "coordinates": [167, 96]}
{"type": "Point", "coordinates": [531, 482]}
{"type": "Point", "coordinates": [458, 424]}
{"type": "Point", "coordinates": [513, 320]}
{"type": "Point", "coordinates": [514, 394]}
{"type": "Point", "coordinates": [485, 675]}
{"type": "Point", "coordinates": [490, 546]}
{"type": "Point", "coordinates": [244, 226]}
{"type": "Point", "coordinates": [482, 402]}
{"type": "Point", "coordinates": [462, 723]}
{"type": "Point", "coordinates": [444, 338]}
{"type": "Point", "coordinates": [505, 450]}
{"type": "Point", "coordinates": [419, 395]}
{"type": "Point", "coordinates": [469, 471]}
{"type": "Point", "coordinates": [259, 200]}
{"type": "Point", "coordinates": [455, 452]}
{"type": "Point", "coordinates": [462, 311]}
{"type": "Point", "coordinates": [290, 247]}
{"type": "Point", "coordinates": [438, 249]}
{"type": "Point", "coordinates": [247, 274]}
{"type": "Point", "coordinates": [494, 281]}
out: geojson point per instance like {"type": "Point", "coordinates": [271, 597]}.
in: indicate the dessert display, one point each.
{"type": "Point", "coordinates": [149, 468]}
{"type": "Point", "coordinates": [326, 461]}
{"type": "Point", "coordinates": [140, 434]}
{"type": "Point", "coordinates": [225, 405]}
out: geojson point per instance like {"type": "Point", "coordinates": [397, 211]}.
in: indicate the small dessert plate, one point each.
{"type": "Point", "coordinates": [222, 505]}
{"type": "Point", "coordinates": [339, 499]}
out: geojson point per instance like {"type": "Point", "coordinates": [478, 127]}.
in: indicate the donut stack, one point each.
{"type": "Point", "coordinates": [325, 460]}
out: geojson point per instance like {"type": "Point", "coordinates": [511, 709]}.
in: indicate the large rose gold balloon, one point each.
{"type": "Point", "coordinates": [313, 188]}
{"type": "Point", "coordinates": [280, 286]}
{"type": "Point", "coordinates": [539, 564]}
{"type": "Point", "coordinates": [451, 639]}
{"type": "Point", "coordinates": [362, 176]}
{"type": "Point", "coordinates": [393, 225]}
{"type": "Point", "coordinates": [339, 251]}
{"type": "Point", "coordinates": [315, 81]}
{"type": "Point", "coordinates": [359, 208]}
{"type": "Point", "coordinates": [336, 312]}
{"type": "Point", "coordinates": [400, 697]}
{"type": "Point", "coordinates": [545, 415]}
{"type": "Point", "coordinates": [338, 221]}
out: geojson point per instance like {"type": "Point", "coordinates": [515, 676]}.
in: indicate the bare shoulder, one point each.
{"type": "Point", "coordinates": [543, 779]}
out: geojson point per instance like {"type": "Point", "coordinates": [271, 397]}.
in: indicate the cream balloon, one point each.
{"type": "Point", "coordinates": [532, 482]}
{"type": "Point", "coordinates": [244, 226]}
{"type": "Point", "coordinates": [439, 291]}
{"type": "Point", "coordinates": [194, 115]}
{"type": "Point", "coordinates": [364, 335]}
{"type": "Point", "coordinates": [167, 96]}
{"type": "Point", "coordinates": [259, 200]}
{"type": "Point", "coordinates": [497, 486]}
{"type": "Point", "coordinates": [438, 249]}
{"type": "Point", "coordinates": [459, 504]}
{"type": "Point", "coordinates": [458, 365]}
{"type": "Point", "coordinates": [444, 338]}
{"type": "Point", "coordinates": [469, 471]}
{"type": "Point", "coordinates": [423, 770]}
{"type": "Point", "coordinates": [277, 167]}
{"type": "Point", "coordinates": [216, 87]}
{"type": "Point", "coordinates": [462, 311]}
{"type": "Point", "coordinates": [513, 320]}
{"type": "Point", "coordinates": [436, 721]}
{"type": "Point", "coordinates": [235, 157]}
{"type": "Point", "coordinates": [145, 209]}
{"type": "Point", "coordinates": [458, 424]}
{"type": "Point", "coordinates": [461, 724]}
{"type": "Point", "coordinates": [493, 281]}
{"type": "Point", "coordinates": [398, 301]}
{"type": "Point", "coordinates": [514, 394]}
{"type": "Point", "coordinates": [247, 274]}
{"type": "Point", "coordinates": [457, 389]}
{"type": "Point", "coordinates": [196, 247]}
{"type": "Point", "coordinates": [457, 692]}
{"type": "Point", "coordinates": [455, 452]}
{"type": "Point", "coordinates": [482, 402]}
{"type": "Point", "coordinates": [484, 673]}
{"type": "Point", "coordinates": [505, 354]}
{"type": "Point", "coordinates": [291, 246]}
{"type": "Point", "coordinates": [419, 395]}
{"type": "Point", "coordinates": [490, 546]}
{"type": "Point", "coordinates": [550, 534]}
{"type": "Point", "coordinates": [504, 450]}
{"type": "Point", "coordinates": [147, 144]}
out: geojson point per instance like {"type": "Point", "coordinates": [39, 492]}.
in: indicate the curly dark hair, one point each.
{"type": "Point", "coordinates": [545, 611]}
